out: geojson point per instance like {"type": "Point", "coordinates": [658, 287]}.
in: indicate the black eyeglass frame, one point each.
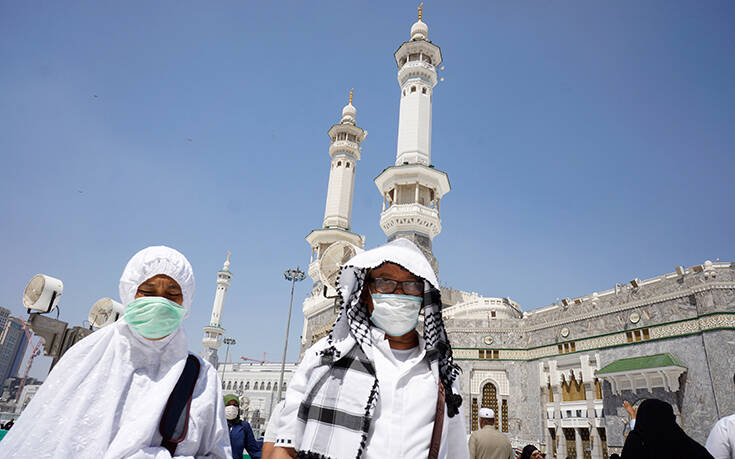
{"type": "Point", "coordinates": [418, 292]}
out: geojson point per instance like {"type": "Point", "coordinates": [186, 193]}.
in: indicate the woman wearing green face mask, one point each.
{"type": "Point", "coordinates": [106, 396]}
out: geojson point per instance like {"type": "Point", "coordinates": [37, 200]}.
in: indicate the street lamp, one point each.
{"type": "Point", "coordinates": [227, 341]}
{"type": "Point", "coordinates": [293, 275]}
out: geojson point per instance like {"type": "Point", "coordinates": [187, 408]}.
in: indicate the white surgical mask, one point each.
{"type": "Point", "coordinates": [231, 412]}
{"type": "Point", "coordinates": [396, 315]}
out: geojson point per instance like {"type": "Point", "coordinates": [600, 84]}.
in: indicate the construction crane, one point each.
{"type": "Point", "coordinates": [248, 359]}
{"type": "Point", "coordinates": [35, 350]}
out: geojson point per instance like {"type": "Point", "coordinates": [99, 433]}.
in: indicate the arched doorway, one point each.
{"type": "Point", "coordinates": [490, 400]}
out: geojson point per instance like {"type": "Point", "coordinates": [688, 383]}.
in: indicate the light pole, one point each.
{"type": "Point", "coordinates": [293, 275]}
{"type": "Point", "coordinates": [227, 341]}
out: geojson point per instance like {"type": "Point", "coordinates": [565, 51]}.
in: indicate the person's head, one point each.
{"type": "Point", "coordinates": [397, 293]}
{"type": "Point", "coordinates": [487, 417]}
{"type": "Point", "coordinates": [156, 289]}
{"type": "Point", "coordinates": [530, 452]}
{"type": "Point", "coordinates": [232, 406]}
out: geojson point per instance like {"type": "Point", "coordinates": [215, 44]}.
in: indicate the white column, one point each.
{"type": "Point", "coordinates": [578, 441]}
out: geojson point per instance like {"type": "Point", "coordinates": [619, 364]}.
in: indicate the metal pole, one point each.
{"type": "Point", "coordinates": [223, 365]}
{"type": "Point", "coordinates": [285, 346]}
{"type": "Point", "coordinates": [293, 276]}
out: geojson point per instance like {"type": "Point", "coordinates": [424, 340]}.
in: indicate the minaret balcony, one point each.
{"type": "Point", "coordinates": [345, 146]}
{"type": "Point", "coordinates": [417, 69]}
{"type": "Point", "coordinates": [410, 218]}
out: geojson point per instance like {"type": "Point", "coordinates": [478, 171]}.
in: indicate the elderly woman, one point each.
{"type": "Point", "coordinates": [106, 397]}
{"type": "Point", "coordinates": [374, 388]}
{"type": "Point", "coordinates": [531, 452]}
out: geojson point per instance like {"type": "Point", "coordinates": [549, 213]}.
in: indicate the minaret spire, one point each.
{"type": "Point", "coordinates": [351, 91]}
{"type": "Point", "coordinates": [213, 333]}
{"type": "Point", "coordinates": [412, 188]}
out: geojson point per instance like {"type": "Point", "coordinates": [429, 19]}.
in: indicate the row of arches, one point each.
{"type": "Point", "coordinates": [414, 89]}
{"type": "Point", "coordinates": [245, 385]}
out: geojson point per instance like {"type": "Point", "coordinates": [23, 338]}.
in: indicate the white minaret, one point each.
{"type": "Point", "coordinates": [345, 149]}
{"type": "Point", "coordinates": [213, 333]}
{"type": "Point", "coordinates": [413, 188]}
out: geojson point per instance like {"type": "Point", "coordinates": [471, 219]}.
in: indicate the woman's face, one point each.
{"type": "Point", "coordinates": [163, 286]}
{"type": "Point", "coordinates": [536, 455]}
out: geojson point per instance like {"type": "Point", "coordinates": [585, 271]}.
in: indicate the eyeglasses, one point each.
{"type": "Point", "coordinates": [383, 285]}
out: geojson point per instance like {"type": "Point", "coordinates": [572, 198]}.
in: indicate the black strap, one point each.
{"type": "Point", "coordinates": [175, 419]}
{"type": "Point", "coordinates": [436, 434]}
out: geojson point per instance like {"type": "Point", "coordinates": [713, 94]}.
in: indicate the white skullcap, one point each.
{"type": "Point", "coordinates": [486, 413]}
{"type": "Point", "coordinates": [152, 261]}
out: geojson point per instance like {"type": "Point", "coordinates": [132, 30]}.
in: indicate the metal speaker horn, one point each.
{"type": "Point", "coordinates": [105, 312]}
{"type": "Point", "coordinates": [42, 293]}
{"type": "Point", "coordinates": [332, 260]}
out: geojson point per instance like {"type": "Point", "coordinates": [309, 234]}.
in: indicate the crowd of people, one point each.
{"type": "Point", "coordinates": [373, 388]}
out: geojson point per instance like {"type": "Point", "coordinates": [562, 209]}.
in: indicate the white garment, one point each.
{"type": "Point", "coordinates": [721, 441]}
{"type": "Point", "coordinates": [105, 397]}
{"type": "Point", "coordinates": [407, 404]}
{"type": "Point", "coordinates": [271, 429]}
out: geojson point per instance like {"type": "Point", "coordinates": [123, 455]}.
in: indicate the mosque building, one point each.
{"type": "Point", "coordinates": [556, 376]}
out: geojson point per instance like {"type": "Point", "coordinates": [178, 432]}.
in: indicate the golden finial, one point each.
{"type": "Point", "coordinates": [421, 11]}
{"type": "Point", "coordinates": [351, 90]}
{"type": "Point", "coordinates": [228, 257]}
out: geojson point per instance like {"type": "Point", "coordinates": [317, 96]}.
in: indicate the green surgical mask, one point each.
{"type": "Point", "coordinates": [153, 316]}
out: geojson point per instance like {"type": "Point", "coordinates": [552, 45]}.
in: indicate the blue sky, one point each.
{"type": "Point", "coordinates": [587, 143]}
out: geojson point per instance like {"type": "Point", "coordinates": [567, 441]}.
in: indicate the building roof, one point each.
{"type": "Point", "coordinates": [641, 363]}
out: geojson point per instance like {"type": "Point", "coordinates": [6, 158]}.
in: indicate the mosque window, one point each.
{"type": "Point", "coordinates": [347, 165]}
{"type": "Point", "coordinates": [229, 385]}
{"type": "Point", "coordinates": [423, 90]}
{"type": "Point", "coordinates": [413, 57]}
{"type": "Point", "coordinates": [426, 58]}
{"type": "Point", "coordinates": [638, 335]}
{"type": "Point", "coordinates": [505, 415]}
{"type": "Point", "coordinates": [413, 88]}
{"type": "Point", "coordinates": [268, 387]}
{"type": "Point", "coordinates": [241, 385]}
{"type": "Point", "coordinates": [493, 314]}
{"type": "Point", "coordinates": [247, 385]}
{"type": "Point", "coordinates": [223, 385]}
{"type": "Point", "coordinates": [565, 348]}
{"type": "Point", "coordinates": [339, 163]}
{"type": "Point", "coordinates": [284, 385]}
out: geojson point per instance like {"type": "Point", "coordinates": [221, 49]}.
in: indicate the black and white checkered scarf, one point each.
{"type": "Point", "coordinates": [337, 411]}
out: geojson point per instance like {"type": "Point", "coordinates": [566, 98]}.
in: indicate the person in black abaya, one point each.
{"type": "Point", "coordinates": [531, 452]}
{"type": "Point", "coordinates": [657, 435]}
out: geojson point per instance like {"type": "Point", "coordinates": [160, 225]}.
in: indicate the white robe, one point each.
{"type": "Point", "coordinates": [105, 397]}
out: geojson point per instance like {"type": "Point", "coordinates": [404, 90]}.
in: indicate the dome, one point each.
{"type": "Point", "coordinates": [349, 110]}
{"type": "Point", "coordinates": [419, 31]}
{"type": "Point", "coordinates": [349, 113]}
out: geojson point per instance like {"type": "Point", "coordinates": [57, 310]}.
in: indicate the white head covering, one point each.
{"type": "Point", "coordinates": [400, 251]}
{"type": "Point", "coordinates": [486, 413]}
{"type": "Point", "coordinates": [106, 396]}
{"type": "Point", "coordinates": [153, 261]}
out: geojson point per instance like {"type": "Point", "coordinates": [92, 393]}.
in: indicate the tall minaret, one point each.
{"type": "Point", "coordinates": [213, 333]}
{"type": "Point", "coordinates": [412, 188]}
{"type": "Point", "coordinates": [345, 149]}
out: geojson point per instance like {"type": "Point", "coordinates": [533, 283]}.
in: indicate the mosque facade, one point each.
{"type": "Point", "coordinates": [556, 376]}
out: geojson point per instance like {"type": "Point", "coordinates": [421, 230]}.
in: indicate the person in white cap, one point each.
{"type": "Point", "coordinates": [375, 388]}
{"type": "Point", "coordinates": [488, 442]}
{"type": "Point", "coordinates": [107, 396]}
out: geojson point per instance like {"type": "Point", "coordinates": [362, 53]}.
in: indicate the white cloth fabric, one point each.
{"type": "Point", "coordinates": [401, 251]}
{"type": "Point", "coordinates": [407, 404]}
{"type": "Point", "coordinates": [105, 397]}
{"type": "Point", "coordinates": [721, 440]}
{"type": "Point", "coordinates": [270, 429]}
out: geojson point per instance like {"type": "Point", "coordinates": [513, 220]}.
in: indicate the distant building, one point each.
{"type": "Point", "coordinates": [257, 386]}
{"type": "Point", "coordinates": [10, 388]}
{"type": "Point", "coordinates": [4, 315]}
{"type": "Point", "coordinates": [13, 343]}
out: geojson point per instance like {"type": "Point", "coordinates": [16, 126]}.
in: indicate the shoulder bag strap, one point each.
{"type": "Point", "coordinates": [175, 419]}
{"type": "Point", "coordinates": [436, 435]}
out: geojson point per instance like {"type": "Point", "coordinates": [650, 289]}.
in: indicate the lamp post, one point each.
{"type": "Point", "coordinates": [293, 275]}
{"type": "Point", "coordinates": [227, 341]}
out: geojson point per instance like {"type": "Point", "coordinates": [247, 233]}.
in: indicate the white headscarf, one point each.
{"type": "Point", "coordinates": [105, 397]}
